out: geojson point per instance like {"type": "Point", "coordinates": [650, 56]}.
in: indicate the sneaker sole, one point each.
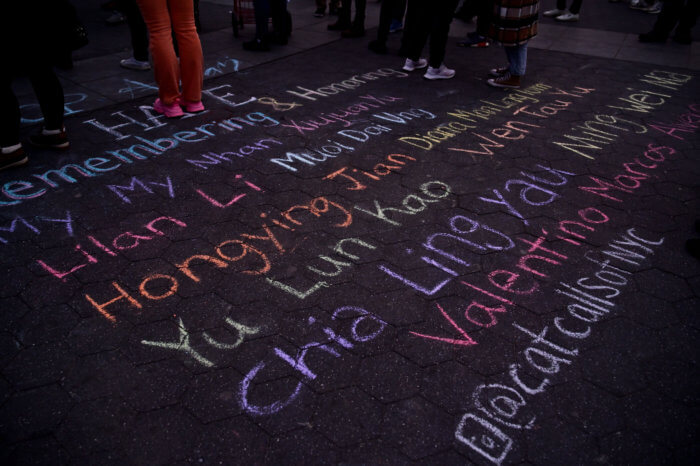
{"type": "Point", "coordinates": [62, 146]}
{"type": "Point", "coordinates": [492, 83]}
{"type": "Point", "coordinates": [414, 68]}
{"type": "Point", "coordinates": [435, 78]}
{"type": "Point", "coordinates": [15, 164]}
{"type": "Point", "coordinates": [161, 109]}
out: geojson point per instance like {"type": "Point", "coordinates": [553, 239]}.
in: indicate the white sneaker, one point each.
{"type": "Point", "coordinates": [637, 4]}
{"type": "Point", "coordinates": [567, 17]}
{"type": "Point", "coordinates": [553, 13]}
{"type": "Point", "coordinates": [439, 73]}
{"type": "Point", "coordinates": [655, 9]}
{"type": "Point", "coordinates": [116, 18]}
{"type": "Point", "coordinates": [134, 64]}
{"type": "Point", "coordinates": [411, 65]}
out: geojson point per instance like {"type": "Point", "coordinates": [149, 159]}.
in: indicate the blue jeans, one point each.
{"type": "Point", "coordinates": [517, 59]}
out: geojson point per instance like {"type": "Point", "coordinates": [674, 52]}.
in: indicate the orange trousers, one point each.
{"type": "Point", "coordinates": [162, 17]}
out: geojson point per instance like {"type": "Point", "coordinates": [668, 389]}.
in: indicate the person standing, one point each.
{"type": "Point", "coordinates": [33, 34]}
{"type": "Point", "coordinates": [281, 25]}
{"type": "Point", "coordinates": [163, 17]}
{"type": "Point", "coordinates": [513, 24]}
{"type": "Point", "coordinates": [679, 14]}
{"type": "Point", "coordinates": [354, 28]}
{"type": "Point", "coordinates": [560, 13]}
{"type": "Point", "coordinates": [388, 14]}
{"type": "Point", "coordinates": [424, 19]}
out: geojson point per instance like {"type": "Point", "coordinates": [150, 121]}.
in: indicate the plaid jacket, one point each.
{"type": "Point", "coordinates": [514, 21]}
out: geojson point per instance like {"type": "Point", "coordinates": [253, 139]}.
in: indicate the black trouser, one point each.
{"type": "Point", "coordinates": [428, 18]}
{"type": "Point", "coordinates": [575, 6]}
{"type": "Point", "coordinates": [137, 28]}
{"type": "Point", "coordinates": [390, 10]}
{"type": "Point", "coordinates": [344, 13]}
{"type": "Point", "coordinates": [266, 9]}
{"type": "Point", "coordinates": [484, 13]}
{"type": "Point", "coordinates": [49, 93]}
{"type": "Point", "coordinates": [681, 12]}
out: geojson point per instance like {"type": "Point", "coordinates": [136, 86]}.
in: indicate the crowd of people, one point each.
{"type": "Point", "coordinates": [38, 35]}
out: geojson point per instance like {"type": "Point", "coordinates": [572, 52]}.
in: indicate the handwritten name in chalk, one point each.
{"type": "Point", "coordinates": [437, 135]}
{"type": "Point", "coordinates": [34, 226]}
{"type": "Point", "coordinates": [311, 156]}
{"type": "Point", "coordinates": [94, 249]}
{"type": "Point", "coordinates": [365, 104]}
{"type": "Point", "coordinates": [596, 133]}
{"type": "Point", "coordinates": [405, 116]}
{"type": "Point", "coordinates": [644, 101]}
{"type": "Point", "coordinates": [534, 264]}
{"type": "Point", "coordinates": [250, 253]}
{"type": "Point", "coordinates": [345, 85]}
{"type": "Point", "coordinates": [412, 204]}
{"type": "Point", "coordinates": [19, 191]}
{"type": "Point", "coordinates": [511, 130]}
{"type": "Point", "coordinates": [635, 172]}
{"type": "Point", "coordinates": [183, 344]}
{"type": "Point", "coordinates": [685, 123]}
{"type": "Point", "coordinates": [356, 181]}
{"type": "Point", "coordinates": [206, 161]}
{"type": "Point", "coordinates": [138, 187]}
{"type": "Point", "coordinates": [485, 112]}
{"type": "Point", "coordinates": [503, 405]}
{"type": "Point", "coordinates": [515, 130]}
{"type": "Point", "coordinates": [363, 326]}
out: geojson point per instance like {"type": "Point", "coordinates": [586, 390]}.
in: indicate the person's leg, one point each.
{"type": "Point", "coordinates": [49, 93]}
{"type": "Point", "coordinates": [137, 29]}
{"type": "Point", "coordinates": [575, 6]}
{"type": "Point", "coordinates": [439, 29]}
{"type": "Point", "coordinates": [517, 59]}
{"type": "Point", "coordinates": [483, 18]}
{"type": "Point", "coordinates": [398, 10]}
{"type": "Point", "coordinates": [11, 153]}
{"type": "Point", "coordinates": [343, 17]}
{"type": "Point", "coordinates": [281, 21]}
{"type": "Point", "coordinates": [668, 18]}
{"type": "Point", "coordinates": [262, 16]}
{"type": "Point", "coordinates": [191, 60]}
{"type": "Point", "coordinates": [9, 112]}
{"type": "Point", "coordinates": [689, 16]}
{"type": "Point", "coordinates": [421, 17]}
{"type": "Point", "coordinates": [561, 4]}
{"type": "Point", "coordinates": [165, 66]}
{"type": "Point", "coordinates": [358, 23]}
{"type": "Point", "coordinates": [385, 16]}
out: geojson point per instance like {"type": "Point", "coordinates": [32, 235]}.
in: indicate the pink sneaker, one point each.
{"type": "Point", "coordinates": [171, 111]}
{"type": "Point", "coordinates": [192, 107]}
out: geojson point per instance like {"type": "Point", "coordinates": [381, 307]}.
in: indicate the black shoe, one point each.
{"type": "Point", "coordinates": [57, 141]}
{"type": "Point", "coordinates": [377, 47]}
{"type": "Point", "coordinates": [256, 45]}
{"type": "Point", "coordinates": [683, 38]}
{"type": "Point", "coordinates": [338, 26]}
{"type": "Point", "coordinates": [13, 159]}
{"type": "Point", "coordinates": [651, 37]}
{"type": "Point", "coordinates": [320, 12]}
